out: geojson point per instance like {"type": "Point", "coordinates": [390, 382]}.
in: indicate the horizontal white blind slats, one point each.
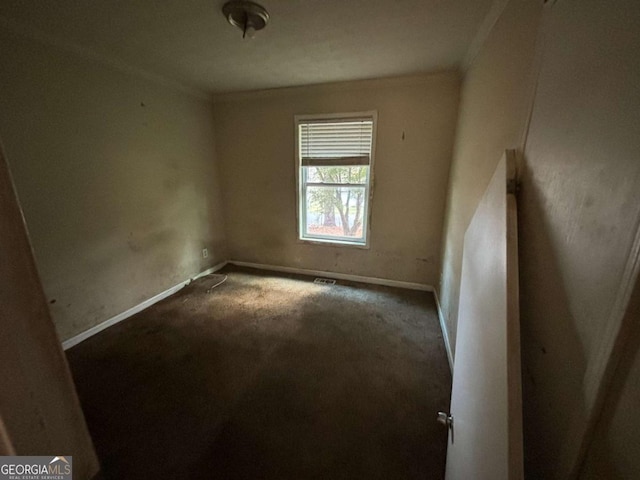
{"type": "Point", "coordinates": [335, 162]}
{"type": "Point", "coordinates": [346, 142]}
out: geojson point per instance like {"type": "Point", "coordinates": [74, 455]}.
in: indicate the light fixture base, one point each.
{"type": "Point", "coordinates": [246, 15]}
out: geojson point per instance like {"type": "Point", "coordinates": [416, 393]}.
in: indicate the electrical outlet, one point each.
{"type": "Point", "coordinates": [205, 253]}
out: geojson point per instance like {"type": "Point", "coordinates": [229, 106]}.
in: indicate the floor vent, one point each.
{"type": "Point", "coordinates": [324, 281]}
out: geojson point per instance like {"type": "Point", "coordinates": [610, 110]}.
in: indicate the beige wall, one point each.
{"type": "Point", "coordinates": [580, 211]}
{"type": "Point", "coordinates": [579, 203]}
{"type": "Point", "coordinates": [614, 452]}
{"type": "Point", "coordinates": [116, 176]}
{"type": "Point", "coordinates": [416, 121]}
{"type": "Point", "coordinates": [495, 97]}
{"type": "Point", "coordinates": [39, 410]}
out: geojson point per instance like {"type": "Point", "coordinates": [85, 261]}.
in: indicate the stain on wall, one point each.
{"type": "Point", "coordinates": [40, 409]}
{"type": "Point", "coordinates": [494, 103]}
{"type": "Point", "coordinates": [579, 205]}
{"type": "Point", "coordinates": [580, 212]}
{"type": "Point", "coordinates": [255, 134]}
{"type": "Point", "coordinates": [116, 176]}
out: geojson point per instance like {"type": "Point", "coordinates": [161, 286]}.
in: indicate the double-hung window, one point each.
{"type": "Point", "coordinates": [335, 156]}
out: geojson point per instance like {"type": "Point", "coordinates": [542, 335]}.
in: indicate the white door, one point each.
{"type": "Point", "coordinates": [485, 441]}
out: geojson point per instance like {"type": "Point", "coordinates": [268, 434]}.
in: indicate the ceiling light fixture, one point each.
{"type": "Point", "coordinates": [247, 16]}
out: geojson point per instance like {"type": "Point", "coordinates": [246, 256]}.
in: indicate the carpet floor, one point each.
{"type": "Point", "coordinates": [269, 376]}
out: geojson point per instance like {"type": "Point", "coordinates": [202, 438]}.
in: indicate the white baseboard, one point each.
{"type": "Point", "coordinates": [340, 276]}
{"type": "Point", "coordinates": [133, 310]}
{"type": "Point", "coordinates": [445, 331]}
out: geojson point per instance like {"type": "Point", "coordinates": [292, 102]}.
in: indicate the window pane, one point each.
{"type": "Point", "coordinates": [335, 212]}
{"type": "Point", "coordinates": [337, 174]}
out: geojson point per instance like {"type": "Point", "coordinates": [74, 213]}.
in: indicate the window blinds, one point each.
{"type": "Point", "coordinates": [335, 142]}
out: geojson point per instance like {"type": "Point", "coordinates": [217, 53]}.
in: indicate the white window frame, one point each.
{"type": "Point", "coordinates": [301, 190]}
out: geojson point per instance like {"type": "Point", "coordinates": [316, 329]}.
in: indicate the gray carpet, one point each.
{"type": "Point", "coordinates": [268, 376]}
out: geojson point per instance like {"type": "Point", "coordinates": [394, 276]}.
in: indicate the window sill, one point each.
{"type": "Point", "coordinates": [333, 243]}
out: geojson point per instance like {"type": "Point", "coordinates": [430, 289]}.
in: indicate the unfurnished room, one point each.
{"type": "Point", "coordinates": [320, 239]}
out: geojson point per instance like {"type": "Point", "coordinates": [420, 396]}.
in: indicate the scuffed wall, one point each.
{"type": "Point", "coordinates": [416, 122]}
{"type": "Point", "coordinates": [116, 176]}
{"type": "Point", "coordinates": [579, 206]}
{"type": "Point", "coordinates": [580, 213]}
{"type": "Point", "coordinates": [495, 98]}
{"type": "Point", "coordinates": [39, 409]}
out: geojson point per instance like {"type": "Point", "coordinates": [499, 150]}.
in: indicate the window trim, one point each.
{"type": "Point", "coordinates": [301, 191]}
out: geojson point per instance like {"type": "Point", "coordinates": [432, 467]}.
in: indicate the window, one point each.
{"type": "Point", "coordinates": [334, 166]}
